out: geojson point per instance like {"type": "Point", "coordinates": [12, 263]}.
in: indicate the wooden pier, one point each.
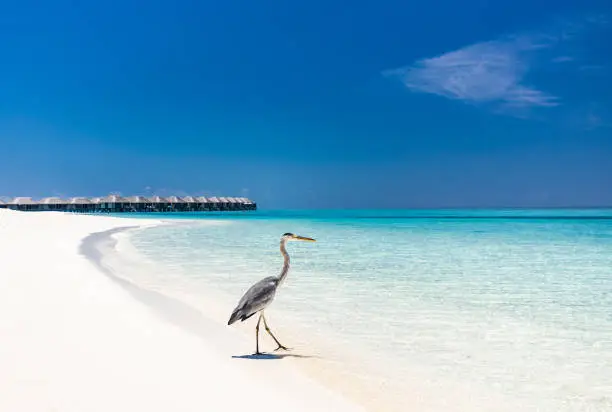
{"type": "Point", "coordinates": [131, 204]}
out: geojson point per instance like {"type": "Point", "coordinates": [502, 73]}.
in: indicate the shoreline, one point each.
{"type": "Point", "coordinates": [76, 339]}
{"type": "Point", "coordinates": [345, 370]}
{"type": "Point", "coordinates": [83, 331]}
{"type": "Point", "coordinates": [199, 318]}
{"type": "Point", "coordinates": [365, 377]}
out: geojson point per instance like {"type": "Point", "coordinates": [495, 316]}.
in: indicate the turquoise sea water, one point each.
{"type": "Point", "coordinates": [471, 309]}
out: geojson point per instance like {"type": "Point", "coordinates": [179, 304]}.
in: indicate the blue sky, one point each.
{"type": "Point", "coordinates": [310, 104]}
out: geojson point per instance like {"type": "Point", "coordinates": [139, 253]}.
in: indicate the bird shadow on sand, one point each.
{"type": "Point", "coordinates": [168, 308]}
{"type": "Point", "coordinates": [272, 356]}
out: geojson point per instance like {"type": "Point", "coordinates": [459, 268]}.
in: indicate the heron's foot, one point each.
{"type": "Point", "coordinates": [281, 347]}
{"type": "Point", "coordinates": [258, 353]}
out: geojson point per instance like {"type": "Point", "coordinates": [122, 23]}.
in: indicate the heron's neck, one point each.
{"type": "Point", "coordinates": [285, 269]}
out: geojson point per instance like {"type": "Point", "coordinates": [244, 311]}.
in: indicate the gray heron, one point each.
{"type": "Point", "coordinates": [259, 296]}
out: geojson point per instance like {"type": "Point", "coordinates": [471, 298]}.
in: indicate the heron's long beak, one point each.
{"type": "Point", "coordinates": [305, 239]}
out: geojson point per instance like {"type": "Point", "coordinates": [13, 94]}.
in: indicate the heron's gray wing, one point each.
{"type": "Point", "coordinates": [255, 299]}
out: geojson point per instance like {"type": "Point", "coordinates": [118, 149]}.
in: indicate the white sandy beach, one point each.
{"type": "Point", "coordinates": [73, 339]}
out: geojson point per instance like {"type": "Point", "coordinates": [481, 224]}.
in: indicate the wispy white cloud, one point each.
{"type": "Point", "coordinates": [525, 75]}
{"type": "Point", "coordinates": [488, 72]}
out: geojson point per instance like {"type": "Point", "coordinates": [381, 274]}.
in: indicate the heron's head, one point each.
{"type": "Point", "coordinates": [290, 236]}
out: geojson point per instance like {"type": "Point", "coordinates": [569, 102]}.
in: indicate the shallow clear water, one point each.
{"type": "Point", "coordinates": [513, 303]}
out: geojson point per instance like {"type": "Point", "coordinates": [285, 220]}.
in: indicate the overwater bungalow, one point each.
{"type": "Point", "coordinates": [191, 204]}
{"type": "Point", "coordinates": [137, 203]}
{"type": "Point", "coordinates": [223, 203]}
{"type": "Point", "coordinates": [160, 204]}
{"type": "Point", "coordinates": [51, 203]}
{"type": "Point", "coordinates": [202, 203]}
{"type": "Point", "coordinates": [114, 203]}
{"type": "Point", "coordinates": [214, 203]}
{"type": "Point", "coordinates": [118, 204]}
{"type": "Point", "coordinates": [175, 203]}
{"type": "Point", "coordinates": [23, 203]}
{"type": "Point", "coordinates": [79, 204]}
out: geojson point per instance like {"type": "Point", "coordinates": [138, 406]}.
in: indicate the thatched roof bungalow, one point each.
{"type": "Point", "coordinates": [51, 201]}
{"type": "Point", "coordinates": [138, 199]}
{"type": "Point", "coordinates": [113, 199]}
{"type": "Point", "coordinates": [80, 201]}
{"type": "Point", "coordinates": [175, 199]}
{"type": "Point", "coordinates": [115, 203]}
{"type": "Point", "coordinates": [159, 199]}
{"type": "Point", "coordinates": [138, 204]}
{"type": "Point", "coordinates": [22, 201]}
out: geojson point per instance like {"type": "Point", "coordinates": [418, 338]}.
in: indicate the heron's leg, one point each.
{"type": "Point", "coordinates": [257, 352]}
{"type": "Point", "coordinates": [280, 346]}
